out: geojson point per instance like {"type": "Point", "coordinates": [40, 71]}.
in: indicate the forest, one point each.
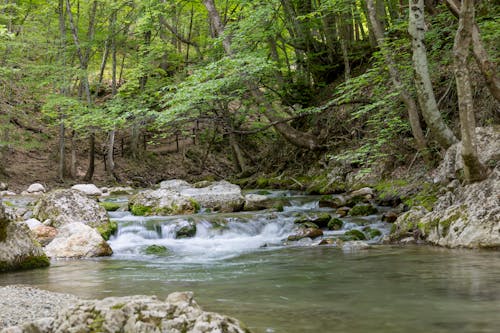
{"type": "Point", "coordinates": [301, 165]}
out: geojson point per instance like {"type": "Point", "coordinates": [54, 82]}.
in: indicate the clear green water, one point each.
{"type": "Point", "coordinates": [308, 289]}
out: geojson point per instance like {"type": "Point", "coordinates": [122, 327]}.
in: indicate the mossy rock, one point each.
{"type": "Point", "coordinates": [156, 250]}
{"type": "Point", "coordinates": [363, 210]}
{"type": "Point", "coordinates": [372, 233]}
{"type": "Point", "coordinates": [353, 235]}
{"type": "Point", "coordinates": [335, 224]}
{"type": "Point", "coordinates": [110, 206]}
{"type": "Point", "coordinates": [107, 229]}
{"type": "Point", "coordinates": [25, 263]}
{"type": "Point", "coordinates": [309, 225]}
{"type": "Point", "coordinates": [140, 210]}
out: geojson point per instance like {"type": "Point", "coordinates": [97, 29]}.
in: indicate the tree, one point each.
{"type": "Point", "coordinates": [473, 169]}
{"type": "Point", "coordinates": [425, 93]}
{"type": "Point", "coordinates": [404, 95]}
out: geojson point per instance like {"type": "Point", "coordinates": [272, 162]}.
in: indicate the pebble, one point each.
{"type": "Point", "coordinates": [20, 304]}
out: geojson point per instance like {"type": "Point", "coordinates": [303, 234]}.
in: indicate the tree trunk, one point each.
{"type": "Point", "coordinates": [73, 156]}
{"type": "Point", "coordinates": [90, 170]}
{"type": "Point", "coordinates": [62, 157]}
{"type": "Point", "coordinates": [423, 84]}
{"type": "Point", "coordinates": [110, 163]}
{"type": "Point", "coordinates": [295, 137]}
{"type": "Point", "coordinates": [404, 96]}
{"type": "Point", "coordinates": [488, 68]}
{"type": "Point", "coordinates": [473, 169]}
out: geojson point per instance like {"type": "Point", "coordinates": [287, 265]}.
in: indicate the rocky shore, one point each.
{"type": "Point", "coordinates": [27, 310]}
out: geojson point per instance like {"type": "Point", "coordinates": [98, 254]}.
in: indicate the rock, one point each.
{"type": "Point", "coordinates": [88, 189]}
{"type": "Point", "coordinates": [335, 224]}
{"type": "Point", "coordinates": [158, 250]}
{"type": "Point", "coordinates": [332, 201]}
{"type": "Point", "coordinates": [327, 241]}
{"type": "Point", "coordinates": [390, 217]}
{"type": "Point", "coordinates": [179, 229]}
{"type": "Point", "coordinates": [321, 220]}
{"type": "Point", "coordinates": [363, 210]}
{"type": "Point", "coordinates": [32, 223]}
{"type": "Point", "coordinates": [7, 193]}
{"type": "Point", "coordinates": [18, 249]}
{"type": "Point", "coordinates": [44, 234]}
{"type": "Point", "coordinates": [362, 192]}
{"type": "Point", "coordinates": [78, 240]}
{"type": "Point", "coordinates": [110, 206]}
{"type": "Point", "coordinates": [176, 185]}
{"type": "Point", "coordinates": [3, 186]}
{"type": "Point", "coordinates": [161, 202]}
{"type": "Point", "coordinates": [179, 313]}
{"type": "Point", "coordinates": [469, 218]}
{"type": "Point", "coordinates": [220, 196]}
{"type": "Point", "coordinates": [256, 202]}
{"type": "Point", "coordinates": [306, 232]}
{"type": "Point", "coordinates": [371, 233]}
{"type": "Point", "coordinates": [343, 211]}
{"type": "Point", "coordinates": [36, 188]}
{"type": "Point", "coordinates": [488, 149]}
{"type": "Point", "coordinates": [353, 235]}
{"type": "Point", "coordinates": [68, 206]}
{"type": "Point", "coordinates": [407, 223]}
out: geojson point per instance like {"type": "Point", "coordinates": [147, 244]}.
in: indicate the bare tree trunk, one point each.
{"type": "Point", "coordinates": [487, 67]}
{"type": "Point", "coordinates": [73, 156]}
{"type": "Point", "coordinates": [295, 137]}
{"type": "Point", "coordinates": [110, 163]}
{"type": "Point", "coordinates": [90, 171]}
{"type": "Point", "coordinates": [473, 169]}
{"type": "Point", "coordinates": [62, 158]}
{"type": "Point", "coordinates": [404, 96]}
{"type": "Point", "coordinates": [423, 84]}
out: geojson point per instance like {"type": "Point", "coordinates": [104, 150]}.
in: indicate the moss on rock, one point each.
{"type": "Point", "coordinates": [110, 206]}
{"type": "Point", "coordinates": [108, 229]}
{"type": "Point", "coordinates": [363, 210]}
{"type": "Point", "coordinates": [335, 224]}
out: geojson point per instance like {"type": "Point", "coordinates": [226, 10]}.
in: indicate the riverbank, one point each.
{"type": "Point", "coordinates": [21, 303]}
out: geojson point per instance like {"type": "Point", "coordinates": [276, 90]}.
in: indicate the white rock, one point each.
{"type": "Point", "coordinates": [88, 189]}
{"type": "Point", "coordinates": [220, 196]}
{"type": "Point", "coordinates": [175, 185]}
{"type": "Point", "coordinates": [7, 193]}
{"type": "Point", "coordinates": [256, 202]}
{"type": "Point", "coordinates": [32, 223]}
{"type": "Point", "coordinates": [36, 188]}
{"type": "Point", "coordinates": [3, 186]}
{"type": "Point", "coordinates": [77, 240]}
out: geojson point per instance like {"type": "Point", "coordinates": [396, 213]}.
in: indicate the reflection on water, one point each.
{"type": "Point", "coordinates": [310, 289]}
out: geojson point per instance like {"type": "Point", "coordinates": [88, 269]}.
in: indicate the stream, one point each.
{"type": "Point", "coordinates": [240, 264]}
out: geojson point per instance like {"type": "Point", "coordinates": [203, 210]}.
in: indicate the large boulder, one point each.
{"type": "Point", "coordinates": [179, 313]}
{"type": "Point", "coordinates": [18, 249]}
{"type": "Point", "coordinates": [468, 216]}
{"type": "Point", "coordinates": [161, 202]}
{"type": "Point", "coordinates": [488, 149]}
{"type": "Point", "coordinates": [179, 197]}
{"type": "Point", "coordinates": [36, 188]}
{"type": "Point", "coordinates": [67, 206]}
{"type": "Point", "coordinates": [257, 202]}
{"type": "Point", "coordinates": [219, 196]}
{"type": "Point", "coordinates": [88, 189]}
{"type": "Point", "coordinates": [77, 240]}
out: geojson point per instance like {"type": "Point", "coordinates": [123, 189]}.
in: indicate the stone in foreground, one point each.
{"type": "Point", "coordinates": [178, 314]}
{"type": "Point", "coordinates": [77, 240]}
{"type": "Point", "coordinates": [18, 250]}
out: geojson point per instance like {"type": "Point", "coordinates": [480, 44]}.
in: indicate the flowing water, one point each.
{"type": "Point", "coordinates": [238, 264]}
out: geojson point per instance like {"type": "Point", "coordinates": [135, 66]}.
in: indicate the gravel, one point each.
{"type": "Point", "coordinates": [20, 304]}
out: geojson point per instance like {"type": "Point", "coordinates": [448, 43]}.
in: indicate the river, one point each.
{"type": "Point", "coordinates": [246, 270]}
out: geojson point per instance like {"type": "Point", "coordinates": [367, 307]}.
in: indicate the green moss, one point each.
{"type": "Point", "coordinates": [262, 182]}
{"type": "Point", "coordinates": [445, 224]}
{"type": "Point", "coordinates": [118, 306]}
{"type": "Point", "coordinates": [278, 207]}
{"type": "Point", "coordinates": [97, 323]}
{"type": "Point", "coordinates": [140, 210]}
{"type": "Point", "coordinates": [372, 233]}
{"type": "Point", "coordinates": [390, 188]}
{"type": "Point", "coordinates": [353, 235]}
{"type": "Point", "coordinates": [335, 224]}
{"type": "Point", "coordinates": [155, 250]}
{"type": "Point", "coordinates": [196, 205]}
{"type": "Point", "coordinates": [107, 229]}
{"type": "Point", "coordinates": [110, 206]}
{"type": "Point", "coordinates": [309, 225]}
{"type": "Point", "coordinates": [363, 210]}
{"type": "Point", "coordinates": [263, 192]}
{"type": "Point", "coordinates": [426, 197]}
{"type": "Point", "coordinates": [29, 262]}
